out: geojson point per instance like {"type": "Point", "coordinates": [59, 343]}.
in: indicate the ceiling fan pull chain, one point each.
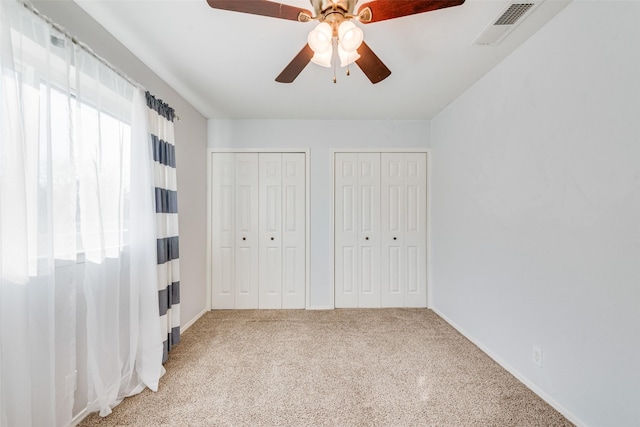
{"type": "Point", "coordinates": [334, 57]}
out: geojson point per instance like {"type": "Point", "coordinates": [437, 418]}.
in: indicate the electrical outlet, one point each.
{"type": "Point", "coordinates": [537, 356]}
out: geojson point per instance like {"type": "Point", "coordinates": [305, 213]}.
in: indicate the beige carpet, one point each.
{"type": "Point", "coordinates": [384, 367]}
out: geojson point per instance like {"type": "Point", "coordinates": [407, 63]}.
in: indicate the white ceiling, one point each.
{"type": "Point", "coordinates": [224, 63]}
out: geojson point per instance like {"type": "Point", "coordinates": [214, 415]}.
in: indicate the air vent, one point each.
{"type": "Point", "coordinates": [508, 19]}
{"type": "Point", "coordinates": [513, 13]}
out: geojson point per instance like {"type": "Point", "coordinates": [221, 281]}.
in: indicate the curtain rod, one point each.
{"type": "Point", "coordinates": [83, 46]}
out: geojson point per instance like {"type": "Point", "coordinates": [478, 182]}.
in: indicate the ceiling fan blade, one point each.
{"type": "Point", "coordinates": [264, 8]}
{"type": "Point", "coordinates": [296, 66]}
{"type": "Point", "coordinates": [380, 10]}
{"type": "Point", "coordinates": [371, 65]}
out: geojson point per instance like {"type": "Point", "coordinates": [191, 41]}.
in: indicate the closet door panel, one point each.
{"type": "Point", "coordinates": [415, 229]}
{"type": "Point", "coordinates": [293, 230]}
{"type": "Point", "coordinates": [222, 230]}
{"type": "Point", "coordinates": [270, 211]}
{"type": "Point", "coordinates": [346, 230]}
{"type": "Point", "coordinates": [368, 188]}
{"type": "Point", "coordinates": [392, 223]}
{"type": "Point", "coordinates": [246, 230]}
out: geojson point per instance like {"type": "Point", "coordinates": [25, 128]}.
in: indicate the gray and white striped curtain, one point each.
{"type": "Point", "coordinates": [161, 118]}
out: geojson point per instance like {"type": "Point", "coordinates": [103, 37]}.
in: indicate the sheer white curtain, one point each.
{"type": "Point", "coordinates": [77, 231]}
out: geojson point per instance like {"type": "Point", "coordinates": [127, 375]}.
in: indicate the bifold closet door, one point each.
{"type": "Point", "coordinates": [403, 229]}
{"type": "Point", "coordinates": [246, 230]}
{"type": "Point", "coordinates": [234, 230]}
{"type": "Point", "coordinates": [380, 229]}
{"type": "Point", "coordinates": [282, 230]}
{"type": "Point", "coordinates": [357, 227]}
{"type": "Point", "coordinates": [258, 230]}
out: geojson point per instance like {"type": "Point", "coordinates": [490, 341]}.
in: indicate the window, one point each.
{"type": "Point", "coordinates": [77, 135]}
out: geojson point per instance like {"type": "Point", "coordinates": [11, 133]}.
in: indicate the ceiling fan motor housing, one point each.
{"type": "Point", "coordinates": [321, 6]}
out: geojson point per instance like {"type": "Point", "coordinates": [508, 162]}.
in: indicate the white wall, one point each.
{"type": "Point", "coordinates": [536, 212]}
{"type": "Point", "coordinates": [320, 136]}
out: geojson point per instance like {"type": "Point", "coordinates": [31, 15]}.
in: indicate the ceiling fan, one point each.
{"type": "Point", "coordinates": [336, 31]}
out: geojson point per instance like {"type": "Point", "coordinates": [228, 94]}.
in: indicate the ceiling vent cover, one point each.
{"type": "Point", "coordinates": [513, 13]}
{"type": "Point", "coordinates": [505, 23]}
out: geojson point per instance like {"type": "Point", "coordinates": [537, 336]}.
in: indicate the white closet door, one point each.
{"type": "Point", "coordinates": [293, 230]}
{"type": "Point", "coordinates": [392, 218]}
{"type": "Point", "coordinates": [380, 229]}
{"type": "Point", "coordinates": [282, 230]}
{"type": "Point", "coordinates": [346, 230]}
{"type": "Point", "coordinates": [258, 230]}
{"type": "Point", "coordinates": [270, 269]}
{"type": "Point", "coordinates": [223, 234]}
{"type": "Point", "coordinates": [369, 229]}
{"type": "Point", "coordinates": [246, 230]}
{"type": "Point", "coordinates": [415, 233]}
{"type": "Point", "coordinates": [403, 229]}
{"type": "Point", "coordinates": [357, 228]}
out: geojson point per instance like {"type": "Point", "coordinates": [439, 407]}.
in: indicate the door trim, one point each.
{"type": "Point", "coordinates": [332, 152]}
{"type": "Point", "coordinates": [307, 152]}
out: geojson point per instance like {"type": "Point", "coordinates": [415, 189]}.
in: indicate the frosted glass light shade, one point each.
{"type": "Point", "coordinates": [347, 58]}
{"type": "Point", "coordinates": [320, 38]}
{"type": "Point", "coordinates": [350, 36]}
{"type": "Point", "coordinates": [324, 58]}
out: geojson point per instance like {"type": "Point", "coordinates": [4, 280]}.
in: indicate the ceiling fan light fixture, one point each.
{"type": "Point", "coordinates": [324, 58]}
{"type": "Point", "coordinates": [350, 36]}
{"type": "Point", "coordinates": [320, 37]}
{"type": "Point", "coordinates": [347, 58]}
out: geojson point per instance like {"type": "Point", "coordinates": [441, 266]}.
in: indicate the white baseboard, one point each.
{"type": "Point", "coordinates": [523, 379]}
{"type": "Point", "coordinates": [192, 321]}
{"type": "Point", "coordinates": [320, 307]}
{"type": "Point", "coordinates": [79, 417]}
